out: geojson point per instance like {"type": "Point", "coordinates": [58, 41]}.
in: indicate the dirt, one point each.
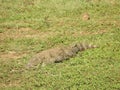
{"type": "Point", "coordinates": [94, 33]}
{"type": "Point", "coordinates": [10, 84]}
{"type": "Point", "coordinates": [85, 17]}
{"type": "Point", "coordinates": [12, 55]}
{"type": "Point", "coordinates": [84, 33]}
{"type": "Point", "coordinates": [25, 33]}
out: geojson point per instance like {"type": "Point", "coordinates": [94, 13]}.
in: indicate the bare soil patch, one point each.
{"type": "Point", "coordinates": [12, 55]}
{"type": "Point", "coordinates": [10, 84]}
{"type": "Point", "coordinates": [84, 33]}
{"type": "Point", "coordinates": [25, 33]}
{"type": "Point", "coordinates": [94, 33]}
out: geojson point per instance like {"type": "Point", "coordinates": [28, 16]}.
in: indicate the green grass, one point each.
{"type": "Point", "coordinates": [30, 26]}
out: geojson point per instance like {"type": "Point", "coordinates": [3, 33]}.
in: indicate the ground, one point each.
{"type": "Point", "coordinates": [30, 26]}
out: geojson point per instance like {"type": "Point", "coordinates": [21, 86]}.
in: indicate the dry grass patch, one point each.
{"type": "Point", "coordinates": [25, 33]}
{"type": "Point", "coordinates": [10, 84]}
{"type": "Point", "coordinates": [84, 33]}
{"type": "Point", "coordinates": [12, 55]}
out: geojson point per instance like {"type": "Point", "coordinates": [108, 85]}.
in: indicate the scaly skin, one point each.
{"type": "Point", "coordinates": [58, 54]}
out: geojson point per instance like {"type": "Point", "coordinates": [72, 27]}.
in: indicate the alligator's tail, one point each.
{"type": "Point", "coordinates": [84, 46]}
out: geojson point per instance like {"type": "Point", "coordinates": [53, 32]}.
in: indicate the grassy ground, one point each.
{"type": "Point", "coordinates": [30, 26]}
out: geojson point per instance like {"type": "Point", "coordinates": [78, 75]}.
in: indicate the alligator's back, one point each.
{"type": "Point", "coordinates": [58, 54]}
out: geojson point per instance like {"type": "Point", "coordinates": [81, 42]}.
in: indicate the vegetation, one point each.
{"type": "Point", "coordinates": [30, 26]}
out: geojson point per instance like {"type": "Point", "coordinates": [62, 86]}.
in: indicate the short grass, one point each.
{"type": "Point", "coordinates": [30, 26]}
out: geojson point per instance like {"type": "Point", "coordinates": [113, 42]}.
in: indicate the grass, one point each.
{"type": "Point", "coordinates": [30, 26]}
